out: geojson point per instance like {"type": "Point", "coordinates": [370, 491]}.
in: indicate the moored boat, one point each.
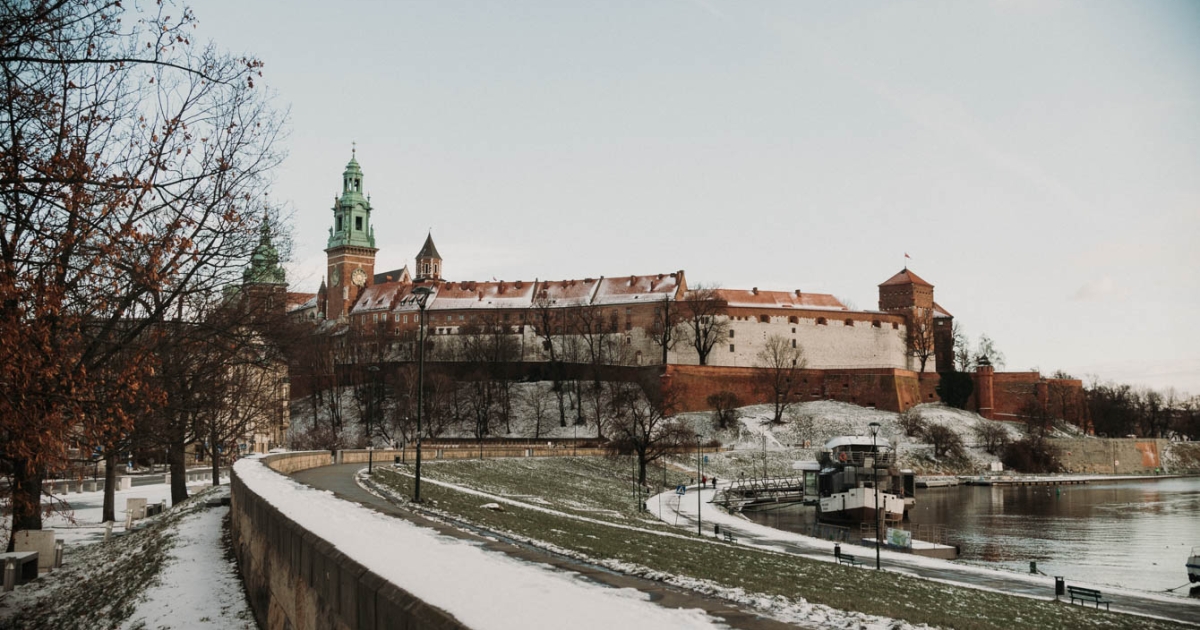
{"type": "Point", "coordinates": [1193, 565]}
{"type": "Point", "coordinates": [858, 474]}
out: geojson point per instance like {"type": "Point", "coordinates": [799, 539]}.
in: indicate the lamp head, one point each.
{"type": "Point", "coordinates": [874, 428]}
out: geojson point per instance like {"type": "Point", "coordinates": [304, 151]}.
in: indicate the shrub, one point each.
{"type": "Point", "coordinates": [993, 436]}
{"type": "Point", "coordinates": [1031, 455]}
{"type": "Point", "coordinates": [912, 423]}
{"type": "Point", "coordinates": [945, 442]}
{"type": "Point", "coordinates": [724, 405]}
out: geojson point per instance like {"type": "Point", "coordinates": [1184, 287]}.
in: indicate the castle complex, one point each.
{"type": "Point", "coordinates": [886, 358]}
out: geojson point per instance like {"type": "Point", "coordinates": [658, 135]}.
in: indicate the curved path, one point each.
{"type": "Point", "coordinates": [1041, 587]}
{"type": "Point", "coordinates": [339, 479]}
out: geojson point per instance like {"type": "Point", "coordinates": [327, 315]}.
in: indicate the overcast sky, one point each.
{"type": "Point", "coordinates": [1038, 160]}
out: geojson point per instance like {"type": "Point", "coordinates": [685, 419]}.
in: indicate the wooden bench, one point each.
{"type": "Point", "coordinates": [27, 565]}
{"type": "Point", "coordinates": [1087, 595]}
{"type": "Point", "coordinates": [850, 560]}
{"type": "Point", "coordinates": [729, 537]}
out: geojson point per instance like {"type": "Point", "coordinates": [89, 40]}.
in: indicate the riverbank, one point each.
{"type": "Point", "coordinates": [588, 509]}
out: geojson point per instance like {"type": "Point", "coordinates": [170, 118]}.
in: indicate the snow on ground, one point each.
{"type": "Point", "coordinates": [77, 516]}
{"type": "Point", "coordinates": [798, 611]}
{"type": "Point", "coordinates": [199, 586]}
{"type": "Point", "coordinates": [674, 507]}
{"type": "Point", "coordinates": [484, 590]}
{"type": "Point", "coordinates": [167, 571]}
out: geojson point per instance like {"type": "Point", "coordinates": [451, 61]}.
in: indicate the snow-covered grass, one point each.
{"type": "Point", "coordinates": [481, 588]}
{"type": "Point", "coordinates": [593, 524]}
{"type": "Point", "coordinates": [170, 571]}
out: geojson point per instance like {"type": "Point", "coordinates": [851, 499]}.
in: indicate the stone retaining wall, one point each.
{"type": "Point", "coordinates": [1127, 456]}
{"type": "Point", "coordinates": [297, 580]}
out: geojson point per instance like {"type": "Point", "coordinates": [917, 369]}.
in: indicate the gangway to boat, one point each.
{"type": "Point", "coordinates": [758, 492]}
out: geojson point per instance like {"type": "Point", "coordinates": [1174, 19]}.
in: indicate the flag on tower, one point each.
{"type": "Point", "coordinates": [906, 255]}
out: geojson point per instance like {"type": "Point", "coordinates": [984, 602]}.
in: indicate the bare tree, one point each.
{"type": "Point", "coordinates": [643, 426]}
{"type": "Point", "coordinates": [779, 365]}
{"type": "Point", "coordinates": [945, 441]}
{"type": "Point", "coordinates": [920, 341]}
{"type": "Point", "coordinates": [703, 317]}
{"type": "Point", "coordinates": [667, 326]}
{"type": "Point", "coordinates": [993, 436]}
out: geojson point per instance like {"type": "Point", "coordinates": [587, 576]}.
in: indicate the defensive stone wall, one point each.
{"type": "Point", "coordinates": [296, 580]}
{"type": "Point", "coordinates": [890, 389]}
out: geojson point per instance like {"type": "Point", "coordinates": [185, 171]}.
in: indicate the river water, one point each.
{"type": "Point", "coordinates": [1133, 534]}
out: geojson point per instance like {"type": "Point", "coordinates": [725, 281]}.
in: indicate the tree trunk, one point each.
{"type": "Point", "coordinates": [109, 512]}
{"type": "Point", "coordinates": [26, 498]}
{"type": "Point", "coordinates": [216, 468]}
{"type": "Point", "coordinates": [176, 459]}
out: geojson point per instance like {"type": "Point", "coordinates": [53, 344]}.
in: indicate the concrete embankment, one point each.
{"type": "Point", "coordinates": [1128, 456]}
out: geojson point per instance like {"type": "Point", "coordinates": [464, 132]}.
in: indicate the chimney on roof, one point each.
{"type": "Point", "coordinates": [754, 290]}
{"type": "Point", "coordinates": [797, 292]}
{"type": "Point", "coordinates": [519, 284]}
{"type": "Point", "coordinates": [632, 279]}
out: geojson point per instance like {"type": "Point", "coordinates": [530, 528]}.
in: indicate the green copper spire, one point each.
{"type": "Point", "coordinates": [352, 211]}
{"type": "Point", "coordinates": [264, 263]}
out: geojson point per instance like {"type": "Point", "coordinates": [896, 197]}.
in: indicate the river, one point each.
{"type": "Point", "coordinates": [1133, 534]}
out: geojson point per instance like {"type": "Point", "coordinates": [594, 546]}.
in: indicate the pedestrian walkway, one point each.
{"type": "Point", "coordinates": [340, 481]}
{"type": "Point", "coordinates": [684, 512]}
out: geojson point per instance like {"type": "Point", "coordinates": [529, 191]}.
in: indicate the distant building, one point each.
{"type": "Point", "coordinates": [865, 356]}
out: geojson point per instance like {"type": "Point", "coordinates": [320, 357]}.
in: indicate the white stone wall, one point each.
{"type": "Point", "coordinates": [829, 346]}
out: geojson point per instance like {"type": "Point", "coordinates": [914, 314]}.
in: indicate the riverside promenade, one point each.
{"type": "Point", "coordinates": [339, 479]}
{"type": "Point", "coordinates": [1037, 586]}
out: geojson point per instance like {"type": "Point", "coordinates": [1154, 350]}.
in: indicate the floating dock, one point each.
{"type": "Point", "coordinates": [1021, 481]}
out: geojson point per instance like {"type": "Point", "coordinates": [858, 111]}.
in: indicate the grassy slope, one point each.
{"type": "Point", "coordinates": [98, 585]}
{"type": "Point", "coordinates": [599, 489]}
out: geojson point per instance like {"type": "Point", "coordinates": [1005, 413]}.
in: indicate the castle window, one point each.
{"type": "Point", "coordinates": [406, 319]}
{"type": "Point", "coordinates": [461, 317]}
{"type": "Point", "coordinates": [358, 223]}
{"type": "Point", "coordinates": [821, 321]}
{"type": "Point", "coordinates": [426, 268]}
{"type": "Point", "coordinates": [435, 268]}
{"type": "Point", "coordinates": [875, 323]}
{"type": "Point", "coordinates": [766, 319]}
{"type": "Point", "coordinates": [793, 330]}
{"type": "Point", "coordinates": [731, 334]}
{"type": "Point", "coordinates": [849, 322]}
{"type": "Point", "coordinates": [793, 345]}
{"type": "Point", "coordinates": [731, 347]}
{"type": "Point", "coordinates": [628, 325]}
{"type": "Point", "coordinates": [895, 326]}
{"type": "Point", "coordinates": [792, 320]}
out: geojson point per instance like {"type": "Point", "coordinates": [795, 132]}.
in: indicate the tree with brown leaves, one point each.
{"type": "Point", "coordinates": [130, 159]}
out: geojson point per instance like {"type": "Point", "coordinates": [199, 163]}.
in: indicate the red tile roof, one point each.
{"type": "Point", "coordinates": [904, 277]}
{"type": "Point", "coordinates": [741, 298]}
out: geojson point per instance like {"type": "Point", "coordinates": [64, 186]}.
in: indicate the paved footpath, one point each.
{"type": "Point", "coordinates": [340, 481]}
{"type": "Point", "coordinates": [1041, 587]}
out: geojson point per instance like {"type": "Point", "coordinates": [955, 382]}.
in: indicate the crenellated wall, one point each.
{"type": "Point", "coordinates": [296, 580]}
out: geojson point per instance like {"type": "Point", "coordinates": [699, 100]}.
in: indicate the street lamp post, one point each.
{"type": "Point", "coordinates": [699, 526]}
{"type": "Point", "coordinates": [875, 470]}
{"type": "Point", "coordinates": [422, 294]}
{"type": "Point", "coordinates": [374, 370]}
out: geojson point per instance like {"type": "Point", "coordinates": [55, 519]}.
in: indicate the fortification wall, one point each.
{"type": "Point", "coordinates": [869, 341]}
{"type": "Point", "coordinates": [893, 390]}
{"type": "Point", "coordinates": [296, 580]}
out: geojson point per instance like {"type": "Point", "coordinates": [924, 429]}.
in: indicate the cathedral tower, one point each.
{"type": "Point", "coordinates": [351, 249]}
{"type": "Point", "coordinates": [429, 262]}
